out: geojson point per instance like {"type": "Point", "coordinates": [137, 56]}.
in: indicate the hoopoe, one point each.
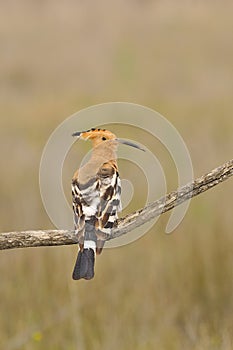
{"type": "Point", "coordinates": [96, 192]}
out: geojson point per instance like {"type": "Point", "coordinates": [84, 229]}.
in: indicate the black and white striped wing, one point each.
{"type": "Point", "coordinates": [110, 204]}
{"type": "Point", "coordinates": [79, 216]}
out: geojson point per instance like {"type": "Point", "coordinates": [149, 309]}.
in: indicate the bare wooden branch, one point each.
{"type": "Point", "coordinates": [23, 239]}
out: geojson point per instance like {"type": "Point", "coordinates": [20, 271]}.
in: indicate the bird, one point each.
{"type": "Point", "coordinates": [96, 198]}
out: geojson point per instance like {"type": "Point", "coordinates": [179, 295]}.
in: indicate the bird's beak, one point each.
{"type": "Point", "coordinates": [129, 143]}
{"type": "Point", "coordinates": [78, 133]}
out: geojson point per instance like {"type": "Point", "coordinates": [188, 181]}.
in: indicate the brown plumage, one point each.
{"type": "Point", "coordinates": [96, 191]}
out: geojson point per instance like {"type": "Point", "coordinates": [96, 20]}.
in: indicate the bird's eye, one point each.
{"type": "Point", "coordinates": [104, 138]}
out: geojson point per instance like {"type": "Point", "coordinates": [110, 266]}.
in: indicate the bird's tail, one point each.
{"type": "Point", "coordinates": [84, 266]}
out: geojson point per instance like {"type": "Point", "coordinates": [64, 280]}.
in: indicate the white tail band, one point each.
{"type": "Point", "coordinates": [89, 244]}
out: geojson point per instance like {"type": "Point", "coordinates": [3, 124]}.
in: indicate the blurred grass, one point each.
{"type": "Point", "coordinates": [161, 292]}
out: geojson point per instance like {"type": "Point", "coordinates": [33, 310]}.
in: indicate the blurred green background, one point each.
{"type": "Point", "coordinates": [161, 292]}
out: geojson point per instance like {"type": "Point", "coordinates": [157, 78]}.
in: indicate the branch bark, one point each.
{"type": "Point", "coordinates": [38, 238]}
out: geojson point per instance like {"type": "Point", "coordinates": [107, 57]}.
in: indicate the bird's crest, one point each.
{"type": "Point", "coordinates": [95, 133]}
{"type": "Point", "coordinates": [100, 136]}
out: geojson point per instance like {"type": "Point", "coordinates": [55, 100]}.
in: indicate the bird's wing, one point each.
{"type": "Point", "coordinates": [96, 204]}
{"type": "Point", "coordinates": [79, 216]}
{"type": "Point", "coordinates": [86, 199]}
{"type": "Point", "coordinates": [110, 203]}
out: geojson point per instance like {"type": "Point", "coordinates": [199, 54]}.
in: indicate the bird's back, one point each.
{"type": "Point", "coordinates": [97, 201]}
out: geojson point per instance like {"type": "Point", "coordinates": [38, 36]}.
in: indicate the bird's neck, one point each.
{"type": "Point", "coordinates": [104, 153]}
{"type": "Point", "coordinates": [100, 154]}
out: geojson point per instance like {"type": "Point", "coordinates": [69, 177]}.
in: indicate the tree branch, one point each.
{"type": "Point", "coordinates": [23, 239]}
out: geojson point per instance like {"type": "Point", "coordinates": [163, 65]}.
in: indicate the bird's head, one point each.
{"type": "Point", "coordinates": [97, 136]}
{"type": "Point", "coordinates": [103, 136]}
